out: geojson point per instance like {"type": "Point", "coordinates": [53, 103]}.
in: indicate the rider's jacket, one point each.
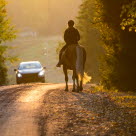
{"type": "Point", "coordinates": [71, 36]}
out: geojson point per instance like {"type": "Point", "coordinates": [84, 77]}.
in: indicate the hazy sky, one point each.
{"type": "Point", "coordinates": [45, 16]}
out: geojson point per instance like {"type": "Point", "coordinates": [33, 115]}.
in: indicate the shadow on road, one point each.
{"type": "Point", "coordinates": [122, 122]}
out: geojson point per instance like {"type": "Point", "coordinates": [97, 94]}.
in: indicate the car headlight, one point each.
{"type": "Point", "coordinates": [41, 73]}
{"type": "Point", "coordinates": [19, 75]}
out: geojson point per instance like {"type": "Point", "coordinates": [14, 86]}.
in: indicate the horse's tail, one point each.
{"type": "Point", "coordinates": [80, 61]}
{"type": "Point", "coordinates": [80, 65]}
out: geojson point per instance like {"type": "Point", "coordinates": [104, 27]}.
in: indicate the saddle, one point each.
{"type": "Point", "coordinates": [69, 56]}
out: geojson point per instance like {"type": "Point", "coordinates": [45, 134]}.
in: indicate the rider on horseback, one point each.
{"type": "Point", "coordinates": [71, 36]}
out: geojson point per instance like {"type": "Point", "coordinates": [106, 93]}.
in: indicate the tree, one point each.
{"type": "Point", "coordinates": [118, 65]}
{"type": "Point", "coordinates": [6, 33]}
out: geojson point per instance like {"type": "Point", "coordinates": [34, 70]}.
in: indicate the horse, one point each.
{"type": "Point", "coordinates": [74, 58]}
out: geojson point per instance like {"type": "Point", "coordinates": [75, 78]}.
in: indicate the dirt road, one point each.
{"type": "Point", "coordinates": [46, 110]}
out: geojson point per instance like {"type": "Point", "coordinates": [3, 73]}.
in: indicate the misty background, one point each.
{"type": "Point", "coordinates": [40, 25]}
{"type": "Point", "coordinates": [48, 17]}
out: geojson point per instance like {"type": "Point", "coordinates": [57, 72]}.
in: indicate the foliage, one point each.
{"type": "Point", "coordinates": [89, 38]}
{"type": "Point", "coordinates": [124, 99]}
{"type": "Point", "coordinates": [118, 63]}
{"type": "Point", "coordinates": [6, 33]}
{"type": "Point", "coordinates": [128, 14]}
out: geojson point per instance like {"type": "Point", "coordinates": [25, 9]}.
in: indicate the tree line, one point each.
{"type": "Point", "coordinates": [114, 22]}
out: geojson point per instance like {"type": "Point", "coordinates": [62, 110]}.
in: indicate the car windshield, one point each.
{"type": "Point", "coordinates": [30, 66]}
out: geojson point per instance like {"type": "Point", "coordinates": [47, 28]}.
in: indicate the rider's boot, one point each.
{"type": "Point", "coordinates": [59, 64]}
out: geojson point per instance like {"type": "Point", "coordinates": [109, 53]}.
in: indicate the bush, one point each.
{"type": "Point", "coordinates": [6, 33]}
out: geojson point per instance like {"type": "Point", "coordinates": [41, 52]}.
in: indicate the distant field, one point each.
{"type": "Point", "coordinates": [41, 49]}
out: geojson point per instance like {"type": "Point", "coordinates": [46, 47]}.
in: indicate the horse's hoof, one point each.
{"type": "Point", "coordinates": [66, 90]}
{"type": "Point", "coordinates": [81, 89]}
{"type": "Point", "coordinates": [74, 90]}
{"type": "Point", "coordinates": [78, 90]}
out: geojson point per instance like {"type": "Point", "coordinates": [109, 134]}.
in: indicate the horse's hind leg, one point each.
{"type": "Point", "coordinates": [78, 86]}
{"type": "Point", "coordinates": [74, 78]}
{"type": "Point", "coordinates": [66, 78]}
{"type": "Point", "coordinates": [81, 85]}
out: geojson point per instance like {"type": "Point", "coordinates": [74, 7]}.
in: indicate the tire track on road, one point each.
{"type": "Point", "coordinates": [23, 110]}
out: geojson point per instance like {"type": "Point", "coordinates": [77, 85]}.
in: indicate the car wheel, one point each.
{"type": "Point", "coordinates": [18, 82]}
{"type": "Point", "coordinates": [43, 81]}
